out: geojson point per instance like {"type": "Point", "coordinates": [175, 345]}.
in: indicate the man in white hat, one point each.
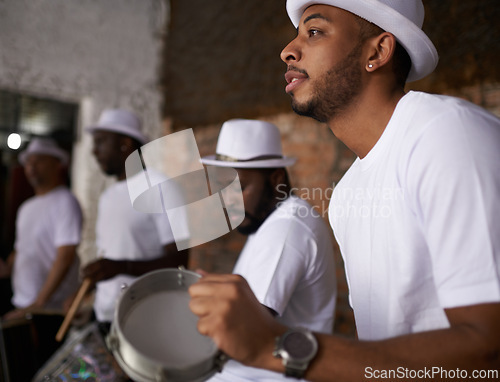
{"type": "Point", "coordinates": [288, 256]}
{"type": "Point", "coordinates": [44, 264]}
{"type": "Point", "coordinates": [129, 243]}
{"type": "Point", "coordinates": [416, 216]}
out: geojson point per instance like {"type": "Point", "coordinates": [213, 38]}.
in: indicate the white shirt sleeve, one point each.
{"type": "Point", "coordinates": [68, 222]}
{"type": "Point", "coordinates": [272, 264]}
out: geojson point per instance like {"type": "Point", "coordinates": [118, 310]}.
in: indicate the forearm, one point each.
{"type": "Point", "coordinates": [430, 354]}
{"type": "Point", "coordinates": [65, 257]}
{"type": "Point", "coordinates": [7, 265]}
{"type": "Point", "coordinates": [170, 259]}
{"type": "Point", "coordinates": [349, 360]}
{"type": "Point", "coordinates": [242, 328]}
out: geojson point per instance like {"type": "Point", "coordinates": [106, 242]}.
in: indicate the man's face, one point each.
{"type": "Point", "coordinates": [323, 63]}
{"type": "Point", "coordinates": [41, 169]}
{"type": "Point", "coordinates": [258, 198]}
{"type": "Point", "coordinates": [107, 152]}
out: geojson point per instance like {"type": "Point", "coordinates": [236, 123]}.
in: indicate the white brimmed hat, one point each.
{"type": "Point", "coordinates": [121, 122]}
{"type": "Point", "coordinates": [45, 146]}
{"type": "Point", "coordinates": [245, 143]}
{"type": "Point", "coordinates": [402, 18]}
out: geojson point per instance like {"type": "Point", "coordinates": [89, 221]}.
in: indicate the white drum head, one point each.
{"type": "Point", "coordinates": [154, 335]}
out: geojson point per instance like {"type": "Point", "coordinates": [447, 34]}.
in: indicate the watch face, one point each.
{"type": "Point", "coordinates": [298, 345]}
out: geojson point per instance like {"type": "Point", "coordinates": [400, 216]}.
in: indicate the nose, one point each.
{"type": "Point", "coordinates": [290, 52]}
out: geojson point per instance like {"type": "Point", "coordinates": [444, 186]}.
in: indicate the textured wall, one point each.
{"type": "Point", "coordinates": [467, 36]}
{"type": "Point", "coordinates": [94, 53]}
{"type": "Point", "coordinates": [221, 60]}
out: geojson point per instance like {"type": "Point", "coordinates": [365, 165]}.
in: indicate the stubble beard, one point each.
{"type": "Point", "coordinates": [265, 205]}
{"type": "Point", "coordinates": [335, 91]}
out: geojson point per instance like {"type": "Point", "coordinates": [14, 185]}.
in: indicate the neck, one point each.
{"type": "Point", "coordinates": [360, 126]}
{"type": "Point", "coordinates": [43, 189]}
{"type": "Point", "coordinates": [121, 176]}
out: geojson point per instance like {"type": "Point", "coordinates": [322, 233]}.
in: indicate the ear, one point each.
{"type": "Point", "coordinates": [382, 50]}
{"type": "Point", "coordinates": [277, 177]}
{"type": "Point", "coordinates": [126, 145]}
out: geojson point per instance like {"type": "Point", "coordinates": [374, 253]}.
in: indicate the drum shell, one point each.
{"type": "Point", "coordinates": [141, 367]}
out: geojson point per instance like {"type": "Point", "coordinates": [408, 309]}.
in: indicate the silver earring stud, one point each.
{"type": "Point", "coordinates": [370, 66]}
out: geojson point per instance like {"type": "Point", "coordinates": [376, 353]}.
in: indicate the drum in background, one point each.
{"type": "Point", "coordinates": [154, 334]}
{"type": "Point", "coordinates": [82, 357]}
{"type": "Point", "coordinates": [26, 344]}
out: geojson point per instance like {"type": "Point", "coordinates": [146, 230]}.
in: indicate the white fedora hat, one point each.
{"type": "Point", "coordinates": [45, 146]}
{"type": "Point", "coordinates": [121, 122]}
{"type": "Point", "coordinates": [245, 143]}
{"type": "Point", "coordinates": [402, 18]}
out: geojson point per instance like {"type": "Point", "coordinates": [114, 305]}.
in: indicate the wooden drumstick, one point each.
{"type": "Point", "coordinates": [73, 309]}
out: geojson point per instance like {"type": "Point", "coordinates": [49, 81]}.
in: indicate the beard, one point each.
{"type": "Point", "coordinates": [265, 205]}
{"type": "Point", "coordinates": [335, 91]}
{"type": "Point", "coordinates": [253, 225]}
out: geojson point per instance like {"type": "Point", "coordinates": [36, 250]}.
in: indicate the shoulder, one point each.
{"type": "Point", "coordinates": [425, 113]}
{"type": "Point", "coordinates": [65, 194]}
{"type": "Point", "coordinates": [295, 213]}
{"type": "Point", "coordinates": [114, 192]}
{"type": "Point", "coordinates": [448, 144]}
{"type": "Point", "coordinates": [64, 201]}
{"type": "Point", "coordinates": [435, 126]}
{"type": "Point", "coordinates": [27, 205]}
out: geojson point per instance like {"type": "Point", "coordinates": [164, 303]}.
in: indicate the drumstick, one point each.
{"type": "Point", "coordinates": [73, 309]}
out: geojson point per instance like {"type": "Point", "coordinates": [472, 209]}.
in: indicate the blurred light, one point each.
{"type": "Point", "coordinates": [14, 141]}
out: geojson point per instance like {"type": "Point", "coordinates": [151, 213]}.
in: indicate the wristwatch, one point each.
{"type": "Point", "coordinates": [297, 347]}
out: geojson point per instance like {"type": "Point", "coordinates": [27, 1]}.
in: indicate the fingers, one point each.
{"type": "Point", "coordinates": [211, 291]}
{"type": "Point", "coordinates": [15, 314]}
{"type": "Point", "coordinates": [211, 282]}
{"type": "Point", "coordinates": [232, 316]}
{"type": "Point", "coordinates": [201, 272]}
{"type": "Point", "coordinates": [99, 270]}
{"type": "Point", "coordinates": [91, 271]}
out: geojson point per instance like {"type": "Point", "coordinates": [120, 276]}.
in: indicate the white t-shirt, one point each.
{"type": "Point", "coordinates": [289, 265]}
{"type": "Point", "coordinates": [417, 219]}
{"type": "Point", "coordinates": [122, 233]}
{"type": "Point", "coordinates": [45, 223]}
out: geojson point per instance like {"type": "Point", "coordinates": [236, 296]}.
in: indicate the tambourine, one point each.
{"type": "Point", "coordinates": [153, 335]}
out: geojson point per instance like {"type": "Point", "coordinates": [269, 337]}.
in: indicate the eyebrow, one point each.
{"type": "Point", "coordinates": [316, 16]}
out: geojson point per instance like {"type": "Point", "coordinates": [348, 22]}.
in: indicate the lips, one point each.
{"type": "Point", "coordinates": [294, 78]}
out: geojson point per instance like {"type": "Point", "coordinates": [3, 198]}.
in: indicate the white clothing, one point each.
{"type": "Point", "coordinates": [417, 218]}
{"type": "Point", "coordinates": [122, 233]}
{"type": "Point", "coordinates": [289, 265]}
{"type": "Point", "coordinates": [44, 223]}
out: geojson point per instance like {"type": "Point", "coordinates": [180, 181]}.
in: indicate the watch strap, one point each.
{"type": "Point", "coordinates": [293, 371]}
{"type": "Point", "coordinates": [295, 367]}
